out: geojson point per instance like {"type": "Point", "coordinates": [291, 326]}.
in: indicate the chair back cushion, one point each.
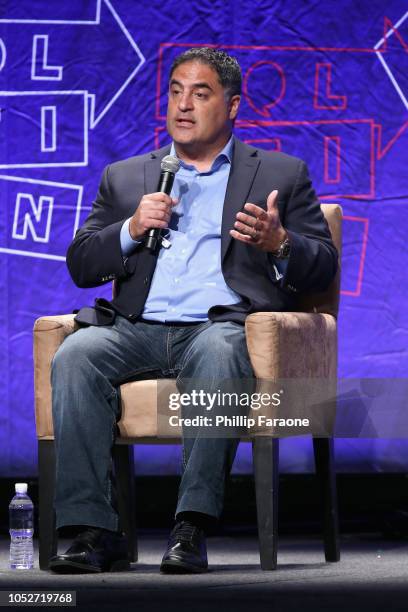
{"type": "Point", "coordinates": [328, 301]}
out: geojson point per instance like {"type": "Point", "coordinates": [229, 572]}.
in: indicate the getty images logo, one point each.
{"type": "Point", "coordinates": [207, 401]}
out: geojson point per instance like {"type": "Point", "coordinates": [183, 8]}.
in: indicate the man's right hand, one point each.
{"type": "Point", "coordinates": [154, 211]}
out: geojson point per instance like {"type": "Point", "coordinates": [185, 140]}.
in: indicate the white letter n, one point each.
{"type": "Point", "coordinates": [37, 219]}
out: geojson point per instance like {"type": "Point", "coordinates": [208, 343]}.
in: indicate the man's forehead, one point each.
{"type": "Point", "coordinates": [194, 71]}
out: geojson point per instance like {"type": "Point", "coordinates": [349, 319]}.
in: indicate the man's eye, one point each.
{"type": "Point", "coordinates": [200, 95]}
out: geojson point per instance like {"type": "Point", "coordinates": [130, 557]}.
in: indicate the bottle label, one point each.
{"type": "Point", "coordinates": [21, 519]}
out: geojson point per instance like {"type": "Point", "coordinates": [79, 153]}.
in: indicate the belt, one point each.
{"type": "Point", "coordinates": [172, 323]}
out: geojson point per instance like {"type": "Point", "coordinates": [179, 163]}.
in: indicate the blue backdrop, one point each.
{"type": "Point", "coordinates": [84, 83]}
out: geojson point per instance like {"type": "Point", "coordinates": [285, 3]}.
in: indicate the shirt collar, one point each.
{"type": "Point", "coordinates": [224, 155]}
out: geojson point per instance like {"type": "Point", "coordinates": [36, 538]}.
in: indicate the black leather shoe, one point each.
{"type": "Point", "coordinates": [93, 550]}
{"type": "Point", "coordinates": [186, 551]}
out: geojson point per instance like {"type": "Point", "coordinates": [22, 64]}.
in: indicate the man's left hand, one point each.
{"type": "Point", "coordinates": [260, 228]}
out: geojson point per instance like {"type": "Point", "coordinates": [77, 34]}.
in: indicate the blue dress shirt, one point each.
{"type": "Point", "coordinates": [188, 279]}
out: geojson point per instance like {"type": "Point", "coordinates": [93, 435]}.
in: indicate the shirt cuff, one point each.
{"type": "Point", "coordinates": [127, 244]}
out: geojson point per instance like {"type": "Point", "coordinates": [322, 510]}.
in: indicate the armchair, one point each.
{"type": "Point", "coordinates": [281, 345]}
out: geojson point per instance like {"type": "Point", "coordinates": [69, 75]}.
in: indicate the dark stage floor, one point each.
{"type": "Point", "coordinates": [372, 575]}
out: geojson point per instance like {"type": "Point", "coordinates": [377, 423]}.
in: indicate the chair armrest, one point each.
{"type": "Point", "coordinates": [49, 333]}
{"type": "Point", "coordinates": [295, 352]}
{"type": "Point", "coordinates": [292, 344]}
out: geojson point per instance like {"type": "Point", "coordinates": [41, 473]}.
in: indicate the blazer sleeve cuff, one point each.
{"type": "Point", "coordinates": [99, 259]}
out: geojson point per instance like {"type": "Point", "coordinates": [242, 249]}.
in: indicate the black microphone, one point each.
{"type": "Point", "coordinates": [169, 167]}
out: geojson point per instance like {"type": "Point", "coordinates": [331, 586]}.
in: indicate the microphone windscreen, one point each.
{"type": "Point", "coordinates": [170, 163]}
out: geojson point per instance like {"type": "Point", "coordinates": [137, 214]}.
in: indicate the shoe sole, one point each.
{"type": "Point", "coordinates": [178, 567]}
{"type": "Point", "coordinates": [70, 567]}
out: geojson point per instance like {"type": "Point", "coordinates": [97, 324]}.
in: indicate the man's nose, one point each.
{"type": "Point", "coordinates": [185, 101]}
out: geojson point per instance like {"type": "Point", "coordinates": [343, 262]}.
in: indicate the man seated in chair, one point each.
{"type": "Point", "coordinates": [244, 232]}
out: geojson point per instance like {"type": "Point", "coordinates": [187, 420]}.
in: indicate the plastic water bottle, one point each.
{"type": "Point", "coordinates": [21, 515]}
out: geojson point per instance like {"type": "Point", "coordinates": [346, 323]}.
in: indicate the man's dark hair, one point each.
{"type": "Point", "coordinates": [227, 67]}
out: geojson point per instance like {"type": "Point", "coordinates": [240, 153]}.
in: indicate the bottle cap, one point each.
{"type": "Point", "coordinates": [21, 487]}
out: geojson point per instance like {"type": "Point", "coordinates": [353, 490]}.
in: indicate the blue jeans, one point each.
{"type": "Point", "coordinates": [86, 372]}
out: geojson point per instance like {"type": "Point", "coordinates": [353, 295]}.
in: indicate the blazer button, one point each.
{"type": "Point", "coordinates": [146, 280]}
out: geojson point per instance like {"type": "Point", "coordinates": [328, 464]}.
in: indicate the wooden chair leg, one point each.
{"type": "Point", "coordinates": [265, 451]}
{"type": "Point", "coordinates": [325, 472]}
{"type": "Point", "coordinates": [125, 482]}
{"type": "Point", "coordinates": [46, 489]}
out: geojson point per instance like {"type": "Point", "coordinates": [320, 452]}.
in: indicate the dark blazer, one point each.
{"type": "Point", "coordinates": [95, 257]}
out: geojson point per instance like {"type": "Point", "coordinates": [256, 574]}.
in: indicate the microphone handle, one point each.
{"type": "Point", "coordinates": [165, 186]}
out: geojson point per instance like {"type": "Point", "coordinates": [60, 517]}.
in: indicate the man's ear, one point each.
{"type": "Point", "coordinates": [233, 106]}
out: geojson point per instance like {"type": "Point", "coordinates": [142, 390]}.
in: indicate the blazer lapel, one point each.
{"type": "Point", "coordinates": [244, 167]}
{"type": "Point", "coordinates": [152, 169]}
